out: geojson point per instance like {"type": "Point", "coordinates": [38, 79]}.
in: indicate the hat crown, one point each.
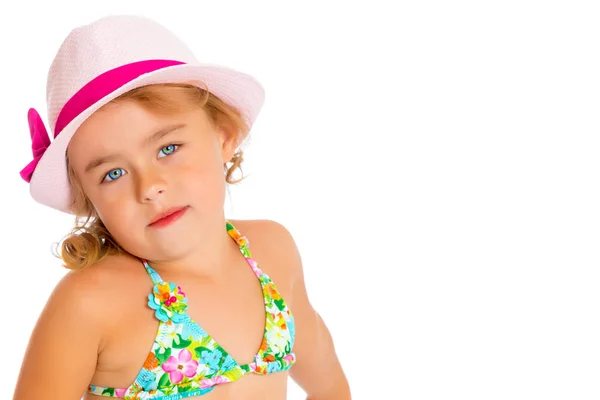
{"type": "Point", "coordinates": [110, 42]}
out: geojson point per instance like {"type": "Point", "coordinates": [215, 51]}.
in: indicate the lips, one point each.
{"type": "Point", "coordinates": [167, 215]}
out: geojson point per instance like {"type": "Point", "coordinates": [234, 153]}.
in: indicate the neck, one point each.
{"type": "Point", "coordinates": [209, 259]}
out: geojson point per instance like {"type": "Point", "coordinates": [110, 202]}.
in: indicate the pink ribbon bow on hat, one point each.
{"type": "Point", "coordinates": [39, 142]}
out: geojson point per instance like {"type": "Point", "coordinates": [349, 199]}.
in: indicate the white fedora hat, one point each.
{"type": "Point", "coordinates": [97, 63]}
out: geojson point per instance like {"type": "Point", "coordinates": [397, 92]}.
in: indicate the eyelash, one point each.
{"type": "Point", "coordinates": [104, 180]}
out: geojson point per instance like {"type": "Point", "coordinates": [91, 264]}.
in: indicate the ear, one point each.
{"type": "Point", "coordinates": [228, 140]}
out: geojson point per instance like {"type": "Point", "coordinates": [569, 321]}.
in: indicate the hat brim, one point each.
{"type": "Point", "coordinates": [50, 185]}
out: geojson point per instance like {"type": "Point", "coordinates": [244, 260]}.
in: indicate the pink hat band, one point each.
{"type": "Point", "coordinates": [93, 91]}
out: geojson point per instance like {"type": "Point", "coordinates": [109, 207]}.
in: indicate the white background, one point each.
{"type": "Point", "coordinates": [437, 163]}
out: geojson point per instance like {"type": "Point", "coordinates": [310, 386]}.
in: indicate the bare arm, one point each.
{"type": "Point", "coordinates": [317, 369]}
{"type": "Point", "coordinates": [61, 355]}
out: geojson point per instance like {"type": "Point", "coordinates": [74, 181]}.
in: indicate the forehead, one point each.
{"type": "Point", "coordinates": [126, 124]}
{"type": "Point", "coordinates": [131, 117]}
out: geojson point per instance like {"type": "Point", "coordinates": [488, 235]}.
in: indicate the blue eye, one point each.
{"type": "Point", "coordinates": [168, 150]}
{"type": "Point", "coordinates": [114, 175]}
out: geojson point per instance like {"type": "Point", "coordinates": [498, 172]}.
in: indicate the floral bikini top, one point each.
{"type": "Point", "coordinates": [185, 361]}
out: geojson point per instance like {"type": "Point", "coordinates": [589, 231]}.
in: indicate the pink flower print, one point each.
{"type": "Point", "coordinates": [120, 392]}
{"type": "Point", "coordinates": [289, 358]}
{"type": "Point", "coordinates": [206, 383]}
{"type": "Point", "coordinates": [178, 367]}
{"type": "Point", "coordinates": [254, 266]}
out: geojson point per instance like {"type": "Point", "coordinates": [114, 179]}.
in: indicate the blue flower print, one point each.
{"type": "Point", "coordinates": [192, 329]}
{"type": "Point", "coordinates": [273, 366]}
{"type": "Point", "coordinates": [228, 364]}
{"type": "Point", "coordinates": [211, 358]}
{"type": "Point", "coordinates": [147, 380]}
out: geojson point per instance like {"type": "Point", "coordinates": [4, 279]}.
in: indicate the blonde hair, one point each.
{"type": "Point", "coordinates": [89, 241]}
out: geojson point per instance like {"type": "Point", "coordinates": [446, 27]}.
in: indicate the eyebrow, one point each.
{"type": "Point", "coordinates": [155, 137]}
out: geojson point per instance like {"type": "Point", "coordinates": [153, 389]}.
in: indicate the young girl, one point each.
{"type": "Point", "coordinates": [166, 298]}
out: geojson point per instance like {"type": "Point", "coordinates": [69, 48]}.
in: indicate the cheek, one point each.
{"type": "Point", "coordinates": [118, 215]}
{"type": "Point", "coordinates": [126, 229]}
{"type": "Point", "coordinates": [204, 180]}
{"type": "Point", "coordinates": [114, 204]}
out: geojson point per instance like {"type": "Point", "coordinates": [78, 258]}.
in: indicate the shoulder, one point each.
{"type": "Point", "coordinates": [93, 293]}
{"type": "Point", "coordinates": [273, 246]}
{"type": "Point", "coordinates": [263, 229]}
{"type": "Point", "coordinates": [72, 330]}
{"type": "Point", "coordinates": [270, 235]}
{"type": "Point", "coordinates": [78, 291]}
{"type": "Point", "coordinates": [95, 279]}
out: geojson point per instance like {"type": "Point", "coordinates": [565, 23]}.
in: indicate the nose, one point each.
{"type": "Point", "coordinates": [151, 186]}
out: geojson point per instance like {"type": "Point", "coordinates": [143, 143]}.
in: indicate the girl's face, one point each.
{"type": "Point", "coordinates": [134, 165]}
